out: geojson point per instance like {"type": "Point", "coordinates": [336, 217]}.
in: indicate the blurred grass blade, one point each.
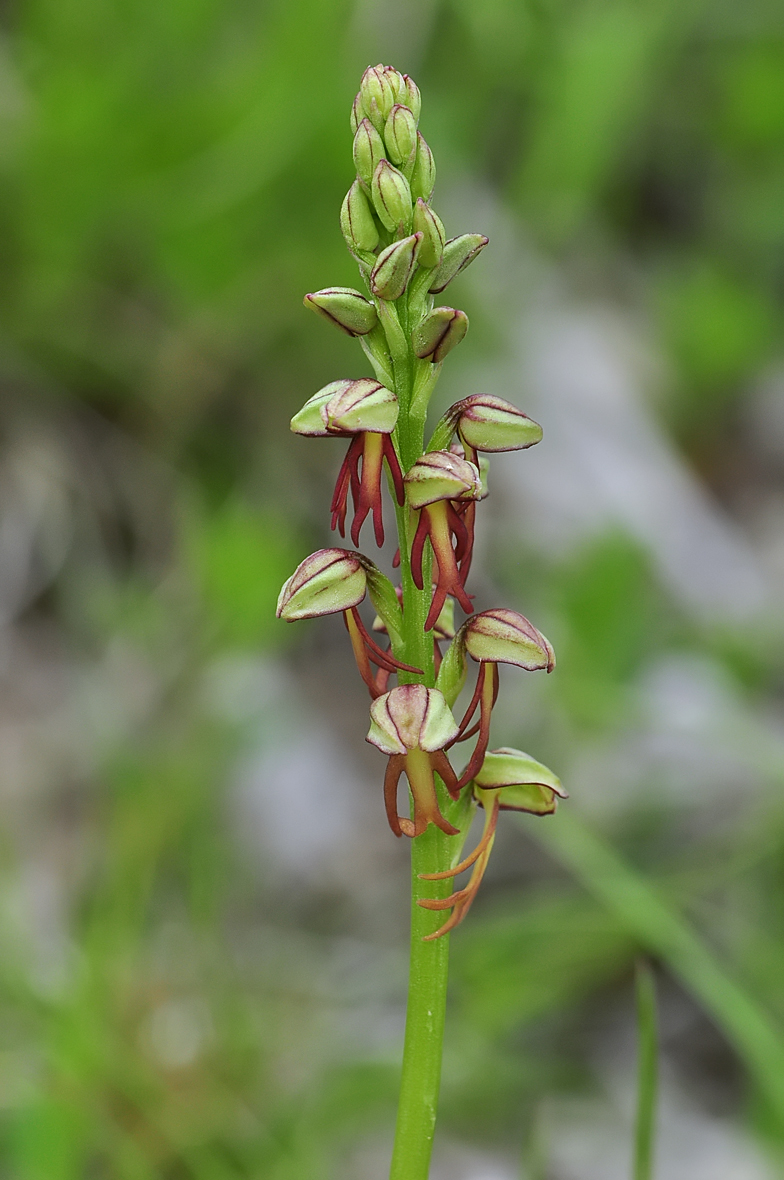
{"type": "Point", "coordinates": [748, 1028]}
{"type": "Point", "coordinates": [647, 1071]}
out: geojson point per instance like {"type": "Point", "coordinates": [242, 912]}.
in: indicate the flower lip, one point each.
{"type": "Point", "coordinates": [411, 717]}
{"type": "Point", "coordinates": [440, 475]}
{"type": "Point", "coordinates": [326, 582]}
{"type": "Point", "coordinates": [504, 636]}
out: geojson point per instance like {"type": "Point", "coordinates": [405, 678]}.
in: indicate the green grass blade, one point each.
{"type": "Point", "coordinates": [647, 1072]}
{"type": "Point", "coordinates": [758, 1041]}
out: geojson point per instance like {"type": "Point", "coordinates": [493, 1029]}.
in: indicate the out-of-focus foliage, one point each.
{"type": "Point", "coordinates": [177, 1001]}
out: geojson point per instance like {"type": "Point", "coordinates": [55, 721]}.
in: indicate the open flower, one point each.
{"type": "Point", "coordinates": [509, 780]}
{"type": "Point", "coordinates": [365, 411]}
{"type": "Point", "coordinates": [413, 725]}
{"type": "Point", "coordinates": [335, 580]}
{"type": "Point", "coordinates": [494, 637]}
{"type": "Point", "coordinates": [433, 485]}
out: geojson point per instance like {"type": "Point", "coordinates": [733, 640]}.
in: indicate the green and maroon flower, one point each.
{"type": "Point", "coordinates": [493, 637]}
{"type": "Point", "coordinates": [336, 580]}
{"type": "Point", "coordinates": [365, 411]}
{"type": "Point", "coordinates": [433, 485]}
{"type": "Point", "coordinates": [413, 725]}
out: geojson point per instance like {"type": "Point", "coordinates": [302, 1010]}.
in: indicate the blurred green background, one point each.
{"type": "Point", "coordinates": [202, 913]}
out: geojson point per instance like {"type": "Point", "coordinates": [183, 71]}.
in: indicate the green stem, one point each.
{"type": "Point", "coordinates": [433, 851]}
{"type": "Point", "coordinates": [421, 1077]}
{"type": "Point", "coordinates": [647, 1072]}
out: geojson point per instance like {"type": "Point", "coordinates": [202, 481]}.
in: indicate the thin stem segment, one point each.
{"type": "Point", "coordinates": [647, 1072]}
{"type": "Point", "coordinates": [421, 1078]}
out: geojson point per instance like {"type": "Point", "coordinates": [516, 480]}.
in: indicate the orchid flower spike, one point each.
{"type": "Point", "coordinates": [405, 260]}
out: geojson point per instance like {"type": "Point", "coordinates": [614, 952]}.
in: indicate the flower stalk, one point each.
{"type": "Point", "coordinates": [404, 259]}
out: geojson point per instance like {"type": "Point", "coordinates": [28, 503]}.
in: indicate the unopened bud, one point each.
{"type": "Point", "coordinates": [328, 581]}
{"type": "Point", "coordinates": [357, 114]}
{"type": "Point", "coordinates": [390, 276]}
{"type": "Point", "coordinates": [356, 220]}
{"type": "Point", "coordinates": [458, 253]}
{"type": "Point", "coordinates": [429, 224]}
{"type": "Point", "coordinates": [410, 96]}
{"type": "Point", "coordinates": [362, 405]}
{"type": "Point", "coordinates": [503, 636]}
{"type": "Point", "coordinates": [439, 475]}
{"type": "Point", "coordinates": [344, 307]}
{"type": "Point", "coordinates": [395, 80]}
{"type": "Point", "coordinates": [400, 134]}
{"type": "Point", "coordinates": [377, 95]}
{"type": "Point", "coordinates": [368, 150]}
{"type": "Point", "coordinates": [423, 178]}
{"type": "Point", "coordinates": [524, 784]}
{"type": "Point", "coordinates": [391, 196]}
{"type": "Point", "coordinates": [411, 717]}
{"type": "Point", "coordinates": [439, 332]}
{"type": "Point", "coordinates": [488, 423]}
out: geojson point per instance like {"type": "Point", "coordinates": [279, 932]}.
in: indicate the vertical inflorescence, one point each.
{"type": "Point", "coordinates": [405, 259]}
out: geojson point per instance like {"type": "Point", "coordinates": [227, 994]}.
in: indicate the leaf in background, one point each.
{"type": "Point", "coordinates": [242, 558]}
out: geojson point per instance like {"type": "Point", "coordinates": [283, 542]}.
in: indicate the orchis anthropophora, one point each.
{"type": "Point", "coordinates": [404, 259]}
